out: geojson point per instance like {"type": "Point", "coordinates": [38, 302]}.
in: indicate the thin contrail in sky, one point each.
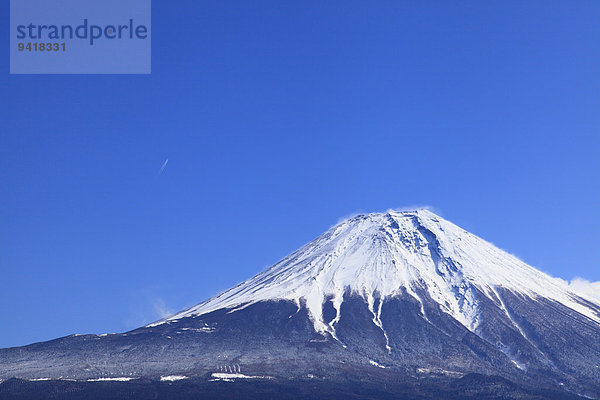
{"type": "Point", "coordinates": [163, 166]}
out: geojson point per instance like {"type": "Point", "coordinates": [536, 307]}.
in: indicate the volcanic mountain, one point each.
{"type": "Point", "coordinates": [398, 302]}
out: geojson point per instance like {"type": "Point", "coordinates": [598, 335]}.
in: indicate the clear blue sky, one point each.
{"type": "Point", "coordinates": [279, 118]}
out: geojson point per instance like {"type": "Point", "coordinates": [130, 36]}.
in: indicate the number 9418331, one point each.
{"type": "Point", "coordinates": [42, 46]}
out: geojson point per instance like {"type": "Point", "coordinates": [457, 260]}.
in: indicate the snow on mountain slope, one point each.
{"type": "Point", "coordinates": [377, 256]}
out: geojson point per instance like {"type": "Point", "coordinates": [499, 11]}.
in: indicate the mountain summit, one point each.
{"type": "Point", "coordinates": [382, 255]}
{"type": "Point", "coordinates": [403, 299]}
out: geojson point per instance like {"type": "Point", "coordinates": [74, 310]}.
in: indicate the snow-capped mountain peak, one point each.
{"type": "Point", "coordinates": [400, 296]}
{"type": "Point", "coordinates": [381, 255]}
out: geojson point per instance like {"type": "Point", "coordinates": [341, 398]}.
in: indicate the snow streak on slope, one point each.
{"type": "Point", "coordinates": [380, 255]}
